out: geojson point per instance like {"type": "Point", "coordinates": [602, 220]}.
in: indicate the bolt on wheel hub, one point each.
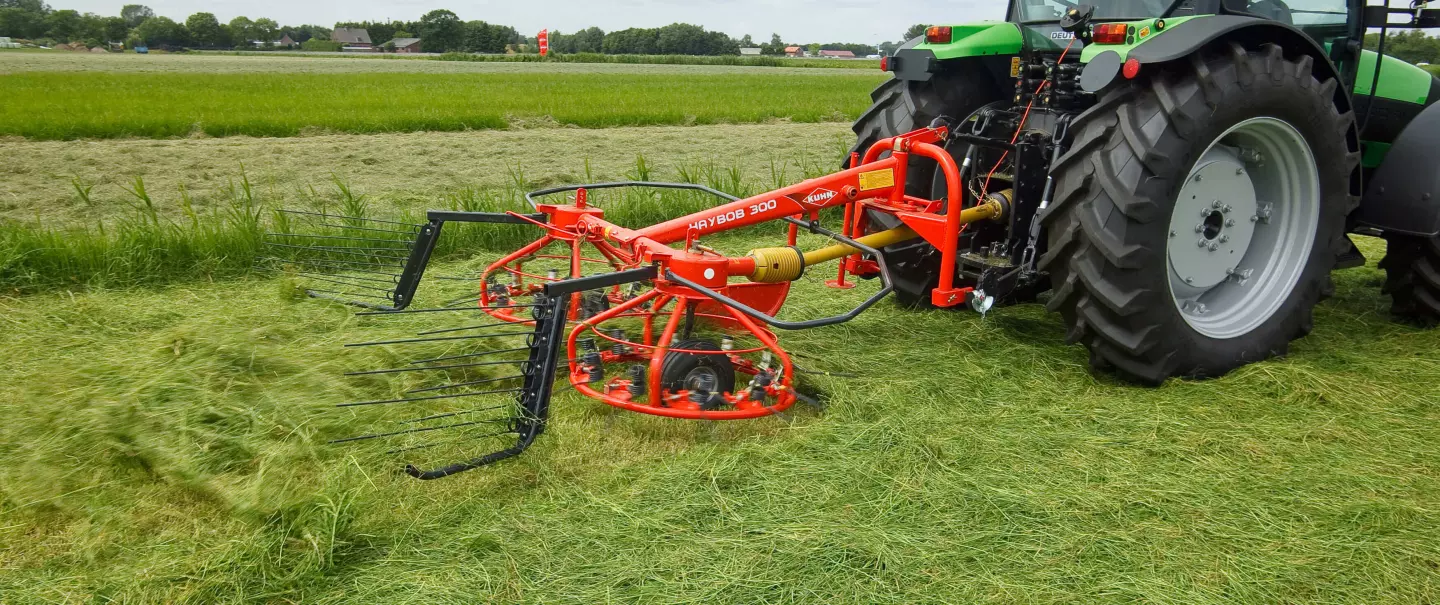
{"type": "Point", "coordinates": [1217, 192]}
{"type": "Point", "coordinates": [1242, 227]}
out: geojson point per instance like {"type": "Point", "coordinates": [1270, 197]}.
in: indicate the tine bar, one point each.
{"type": "Point", "coordinates": [432, 398]}
{"type": "Point", "coordinates": [451, 367]}
{"type": "Point", "coordinates": [441, 339]}
{"type": "Point", "coordinates": [464, 384]}
{"type": "Point", "coordinates": [447, 310]}
{"type": "Point", "coordinates": [471, 355]}
{"type": "Point", "coordinates": [348, 218]}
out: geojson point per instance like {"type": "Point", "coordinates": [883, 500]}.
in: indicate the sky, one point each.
{"type": "Point", "coordinates": [801, 21]}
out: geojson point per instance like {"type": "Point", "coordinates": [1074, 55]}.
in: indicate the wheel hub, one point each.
{"type": "Point", "coordinates": [1211, 228]}
{"type": "Point", "coordinates": [1243, 227]}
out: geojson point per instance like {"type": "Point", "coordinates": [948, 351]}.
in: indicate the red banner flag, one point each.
{"type": "Point", "coordinates": [544, 40]}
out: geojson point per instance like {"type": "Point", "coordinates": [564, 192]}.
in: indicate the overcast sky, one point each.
{"type": "Point", "coordinates": [866, 21]}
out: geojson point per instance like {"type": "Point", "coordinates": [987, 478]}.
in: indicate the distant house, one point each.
{"type": "Point", "coordinates": [837, 54]}
{"type": "Point", "coordinates": [404, 45]}
{"type": "Point", "coordinates": [794, 51]}
{"type": "Point", "coordinates": [750, 52]}
{"type": "Point", "coordinates": [286, 41]}
{"type": "Point", "coordinates": [352, 39]}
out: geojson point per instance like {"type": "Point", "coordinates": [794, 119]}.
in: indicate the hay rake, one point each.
{"type": "Point", "coordinates": [649, 318]}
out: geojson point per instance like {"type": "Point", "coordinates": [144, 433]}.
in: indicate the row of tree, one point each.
{"type": "Point", "coordinates": [1412, 46]}
{"type": "Point", "coordinates": [36, 20]}
{"type": "Point", "coordinates": [439, 31]}
{"type": "Point", "coordinates": [443, 31]}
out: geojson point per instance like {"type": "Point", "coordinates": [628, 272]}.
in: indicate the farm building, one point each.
{"type": "Point", "coordinates": [353, 39]}
{"type": "Point", "coordinates": [837, 54]}
{"type": "Point", "coordinates": [750, 52]}
{"type": "Point", "coordinates": [405, 45]}
{"type": "Point", "coordinates": [794, 51]}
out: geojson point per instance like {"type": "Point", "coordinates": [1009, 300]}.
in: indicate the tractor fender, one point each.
{"type": "Point", "coordinates": [1403, 195]}
{"type": "Point", "coordinates": [1184, 38]}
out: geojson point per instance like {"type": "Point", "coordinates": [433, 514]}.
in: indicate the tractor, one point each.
{"type": "Point", "coordinates": [1180, 177]}
{"type": "Point", "coordinates": [1185, 173]}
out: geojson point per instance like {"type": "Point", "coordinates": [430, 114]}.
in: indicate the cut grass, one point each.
{"type": "Point", "coordinates": [168, 446]}
{"type": "Point", "coordinates": [63, 106]}
{"type": "Point", "coordinates": [399, 172]}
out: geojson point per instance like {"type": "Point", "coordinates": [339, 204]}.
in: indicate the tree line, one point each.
{"type": "Point", "coordinates": [439, 30]}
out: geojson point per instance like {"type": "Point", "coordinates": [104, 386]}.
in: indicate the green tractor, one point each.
{"type": "Point", "coordinates": [1184, 174]}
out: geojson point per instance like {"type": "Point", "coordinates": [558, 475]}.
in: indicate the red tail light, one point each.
{"type": "Point", "coordinates": [1109, 33]}
{"type": "Point", "coordinates": [937, 34]}
{"type": "Point", "coordinates": [884, 63]}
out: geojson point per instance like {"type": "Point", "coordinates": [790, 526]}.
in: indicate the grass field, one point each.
{"type": "Point", "coordinates": [276, 62]}
{"type": "Point", "coordinates": [164, 410]}
{"type": "Point", "coordinates": [65, 105]}
{"type": "Point", "coordinates": [400, 171]}
{"type": "Point", "coordinates": [167, 445]}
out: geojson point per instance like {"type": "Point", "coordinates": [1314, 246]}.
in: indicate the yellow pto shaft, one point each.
{"type": "Point", "coordinates": [775, 265]}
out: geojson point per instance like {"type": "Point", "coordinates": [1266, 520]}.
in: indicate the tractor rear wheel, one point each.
{"type": "Point", "coordinates": [1199, 212]}
{"type": "Point", "coordinates": [900, 107]}
{"type": "Point", "coordinates": [1412, 278]}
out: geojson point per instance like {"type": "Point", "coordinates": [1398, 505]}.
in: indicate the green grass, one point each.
{"type": "Point", "coordinates": [168, 446]}
{"type": "Point", "coordinates": [102, 105]}
{"type": "Point", "coordinates": [165, 239]}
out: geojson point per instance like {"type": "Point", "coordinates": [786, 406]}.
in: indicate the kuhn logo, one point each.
{"type": "Point", "coordinates": [817, 197]}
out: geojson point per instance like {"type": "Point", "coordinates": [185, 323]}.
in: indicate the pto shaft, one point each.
{"type": "Point", "coordinates": [775, 265]}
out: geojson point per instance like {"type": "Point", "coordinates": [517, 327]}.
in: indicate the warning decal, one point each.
{"type": "Point", "coordinates": [877, 179]}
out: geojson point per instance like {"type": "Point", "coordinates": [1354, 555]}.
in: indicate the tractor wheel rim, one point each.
{"type": "Point", "coordinates": [1243, 227]}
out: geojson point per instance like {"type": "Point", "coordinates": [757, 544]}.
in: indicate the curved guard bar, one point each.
{"type": "Point", "coordinates": [530, 197]}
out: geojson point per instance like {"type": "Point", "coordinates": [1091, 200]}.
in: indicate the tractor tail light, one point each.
{"type": "Point", "coordinates": [884, 63]}
{"type": "Point", "coordinates": [1109, 33]}
{"type": "Point", "coordinates": [937, 34]}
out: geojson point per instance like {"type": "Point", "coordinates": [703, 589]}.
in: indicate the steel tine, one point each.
{"type": "Point", "coordinates": [334, 237]}
{"type": "Point", "coordinates": [440, 339]}
{"type": "Point", "coordinates": [479, 327]}
{"type": "Point", "coordinates": [450, 367]}
{"type": "Point", "coordinates": [405, 432]}
{"type": "Point", "coordinates": [332, 263]}
{"type": "Point", "coordinates": [470, 355]}
{"type": "Point", "coordinates": [336, 251]}
{"type": "Point", "coordinates": [432, 398]}
{"type": "Point", "coordinates": [350, 284]}
{"type": "Point", "coordinates": [308, 290]}
{"type": "Point", "coordinates": [350, 218]}
{"type": "Point", "coordinates": [445, 310]}
{"type": "Point", "coordinates": [452, 441]}
{"type": "Point", "coordinates": [390, 282]}
{"type": "Point", "coordinates": [333, 225]}
{"type": "Point", "coordinates": [464, 384]}
{"type": "Point", "coordinates": [460, 413]}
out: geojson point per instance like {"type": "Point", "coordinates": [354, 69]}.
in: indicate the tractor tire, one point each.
{"type": "Point", "coordinates": [1123, 187]}
{"type": "Point", "coordinates": [1412, 278]}
{"type": "Point", "coordinates": [899, 107]}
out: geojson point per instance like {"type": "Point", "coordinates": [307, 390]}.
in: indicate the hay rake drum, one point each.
{"type": "Point", "coordinates": [650, 320]}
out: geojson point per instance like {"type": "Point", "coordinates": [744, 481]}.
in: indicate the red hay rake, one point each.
{"type": "Point", "coordinates": [636, 311]}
